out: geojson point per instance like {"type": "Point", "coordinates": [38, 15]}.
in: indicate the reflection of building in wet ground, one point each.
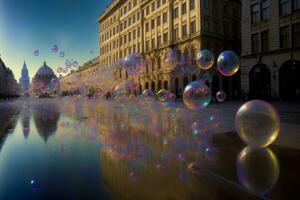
{"type": "Point", "coordinates": [25, 117]}
{"type": "Point", "coordinates": [270, 63]}
{"type": "Point", "coordinates": [8, 120]}
{"type": "Point", "coordinates": [46, 115]}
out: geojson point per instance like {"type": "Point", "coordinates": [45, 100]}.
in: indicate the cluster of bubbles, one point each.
{"type": "Point", "coordinates": [228, 62]}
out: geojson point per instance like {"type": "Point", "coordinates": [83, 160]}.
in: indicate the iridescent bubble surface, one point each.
{"type": "Point", "coordinates": [55, 49]}
{"type": "Point", "coordinates": [61, 54]}
{"type": "Point", "coordinates": [196, 95]}
{"type": "Point", "coordinates": [257, 123]}
{"type": "Point", "coordinates": [162, 95]}
{"type": "Point", "coordinates": [36, 52]}
{"type": "Point", "coordinates": [171, 60]}
{"type": "Point", "coordinates": [258, 169]}
{"type": "Point", "coordinates": [133, 64]}
{"type": "Point", "coordinates": [205, 59]}
{"type": "Point", "coordinates": [228, 63]}
{"type": "Point", "coordinates": [221, 96]}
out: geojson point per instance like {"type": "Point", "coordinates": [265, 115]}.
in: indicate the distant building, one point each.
{"type": "Point", "coordinates": [154, 27]}
{"type": "Point", "coordinates": [270, 63]}
{"type": "Point", "coordinates": [41, 81]}
{"type": "Point", "coordinates": [24, 81]}
{"type": "Point", "coordinates": [8, 83]}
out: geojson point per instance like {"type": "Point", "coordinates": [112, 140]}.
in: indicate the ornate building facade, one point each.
{"type": "Point", "coordinates": [82, 79]}
{"type": "Point", "coordinates": [153, 27]}
{"type": "Point", "coordinates": [271, 49]}
{"type": "Point", "coordinates": [8, 83]}
{"type": "Point", "coordinates": [24, 81]}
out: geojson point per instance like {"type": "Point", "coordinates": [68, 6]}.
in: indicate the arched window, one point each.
{"type": "Point", "coordinates": [166, 85]}
{"type": "Point", "coordinates": [193, 55]}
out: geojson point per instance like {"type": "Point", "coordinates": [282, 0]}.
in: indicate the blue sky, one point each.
{"type": "Point", "coordinates": [26, 25]}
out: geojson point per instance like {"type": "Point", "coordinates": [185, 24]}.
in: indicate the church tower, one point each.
{"type": "Point", "coordinates": [24, 80]}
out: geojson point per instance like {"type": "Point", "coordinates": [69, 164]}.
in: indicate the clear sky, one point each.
{"type": "Point", "coordinates": [26, 25]}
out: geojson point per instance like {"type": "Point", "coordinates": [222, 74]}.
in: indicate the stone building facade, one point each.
{"type": "Point", "coordinates": [84, 78]}
{"type": "Point", "coordinates": [270, 63]}
{"type": "Point", "coordinates": [153, 27]}
{"type": "Point", "coordinates": [8, 83]}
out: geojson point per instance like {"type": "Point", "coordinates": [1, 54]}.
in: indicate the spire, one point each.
{"type": "Point", "coordinates": [45, 63]}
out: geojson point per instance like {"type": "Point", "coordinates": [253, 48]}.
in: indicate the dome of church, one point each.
{"type": "Point", "coordinates": [45, 71]}
{"type": "Point", "coordinates": [42, 79]}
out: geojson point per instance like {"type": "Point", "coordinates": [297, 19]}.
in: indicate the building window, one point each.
{"type": "Point", "coordinates": [153, 43]}
{"type": "Point", "coordinates": [225, 28]}
{"type": "Point", "coordinates": [216, 28]}
{"type": "Point", "coordinates": [206, 4]}
{"type": "Point", "coordinates": [265, 40]}
{"type": "Point", "coordinates": [183, 8]}
{"type": "Point", "coordinates": [193, 27]}
{"type": "Point", "coordinates": [175, 13]}
{"type": "Point", "coordinates": [254, 13]}
{"type": "Point", "coordinates": [296, 4]}
{"type": "Point", "coordinates": [165, 17]}
{"type": "Point", "coordinates": [265, 10]}
{"type": "Point", "coordinates": [158, 41]}
{"type": "Point", "coordinates": [165, 37]}
{"type": "Point", "coordinates": [192, 4]}
{"type": "Point", "coordinates": [255, 43]}
{"type": "Point", "coordinates": [206, 24]}
{"type": "Point", "coordinates": [175, 34]}
{"type": "Point", "coordinates": [296, 34]}
{"type": "Point", "coordinates": [158, 20]}
{"type": "Point", "coordinates": [147, 27]}
{"type": "Point", "coordinates": [152, 24]}
{"type": "Point", "coordinates": [284, 7]}
{"type": "Point", "coordinates": [284, 37]}
{"type": "Point", "coordinates": [147, 45]}
{"type": "Point", "coordinates": [158, 3]}
{"type": "Point", "coordinates": [184, 31]}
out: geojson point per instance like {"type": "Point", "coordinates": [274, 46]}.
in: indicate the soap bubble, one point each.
{"type": "Point", "coordinates": [148, 95]}
{"type": "Point", "coordinates": [55, 81]}
{"type": "Point", "coordinates": [36, 52]}
{"type": "Point", "coordinates": [68, 63]}
{"type": "Point", "coordinates": [257, 123]}
{"type": "Point", "coordinates": [162, 95]}
{"type": "Point", "coordinates": [171, 59]}
{"type": "Point", "coordinates": [221, 96]}
{"type": "Point", "coordinates": [75, 64]}
{"type": "Point", "coordinates": [35, 185]}
{"type": "Point", "coordinates": [54, 49]}
{"type": "Point", "coordinates": [61, 54]}
{"type": "Point", "coordinates": [205, 59]}
{"type": "Point", "coordinates": [133, 63]}
{"type": "Point", "coordinates": [196, 95]}
{"type": "Point", "coordinates": [258, 170]}
{"type": "Point", "coordinates": [228, 63]}
{"type": "Point", "coordinates": [59, 70]}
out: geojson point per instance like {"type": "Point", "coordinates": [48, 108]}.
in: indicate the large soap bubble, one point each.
{"type": "Point", "coordinates": [205, 59]}
{"type": "Point", "coordinates": [221, 96]}
{"type": "Point", "coordinates": [196, 95]}
{"type": "Point", "coordinates": [162, 95]}
{"type": "Point", "coordinates": [171, 60]}
{"type": "Point", "coordinates": [258, 169]}
{"type": "Point", "coordinates": [133, 64]}
{"type": "Point", "coordinates": [228, 63]}
{"type": "Point", "coordinates": [148, 95]}
{"type": "Point", "coordinates": [257, 123]}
